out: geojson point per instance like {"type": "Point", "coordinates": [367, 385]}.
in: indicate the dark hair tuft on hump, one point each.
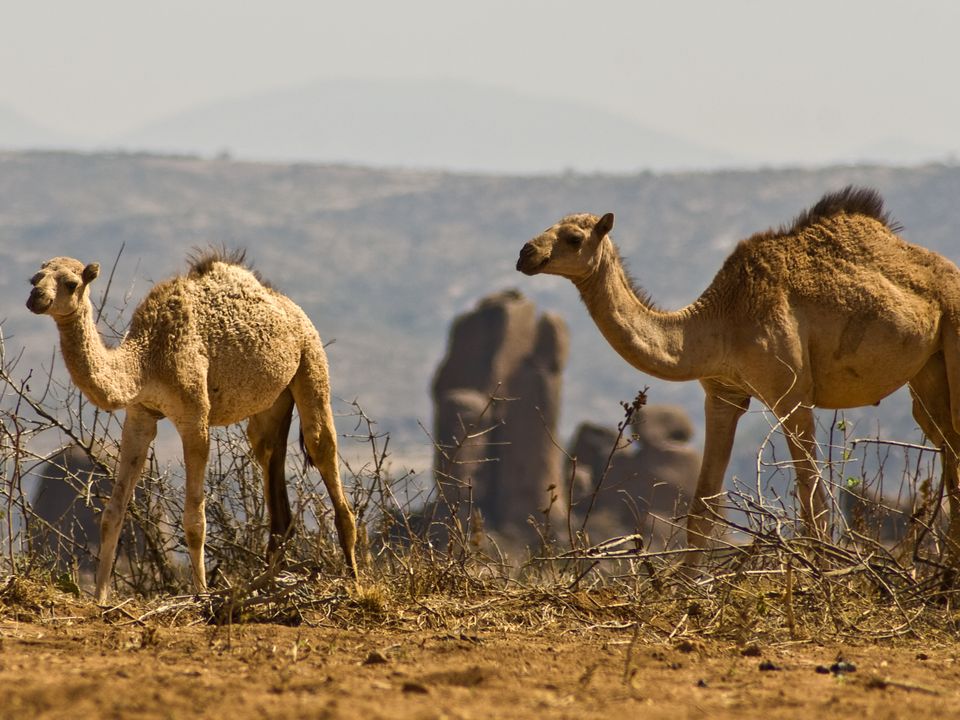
{"type": "Point", "coordinates": [851, 200]}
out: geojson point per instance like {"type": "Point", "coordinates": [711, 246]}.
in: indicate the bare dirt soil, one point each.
{"type": "Point", "coordinates": [77, 662]}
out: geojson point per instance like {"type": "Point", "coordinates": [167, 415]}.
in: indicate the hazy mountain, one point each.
{"type": "Point", "coordinates": [383, 260]}
{"type": "Point", "coordinates": [897, 151]}
{"type": "Point", "coordinates": [18, 132]}
{"type": "Point", "coordinates": [423, 124]}
{"type": "Point", "coordinates": [433, 124]}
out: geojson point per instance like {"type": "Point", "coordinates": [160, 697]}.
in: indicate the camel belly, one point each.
{"type": "Point", "coordinates": [855, 387]}
{"type": "Point", "coordinates": [865, 362]}
{"type": "Point", "coordinates": [243, 384]}
{"type": "Point", "coordinates": [228, 404]}
{"type": "Point", "coordinates": [231, 403]}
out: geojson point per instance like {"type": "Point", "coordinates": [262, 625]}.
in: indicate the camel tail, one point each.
{"type": "Point", "coordinates": [307, 460]}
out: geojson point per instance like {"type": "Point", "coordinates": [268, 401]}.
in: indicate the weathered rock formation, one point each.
{"type": "Point", "coordinates": [649, 482]}
{"type": "Point", "coordinates": [497, 402]}
{"type": "Point", "coordinates": [64, 524]}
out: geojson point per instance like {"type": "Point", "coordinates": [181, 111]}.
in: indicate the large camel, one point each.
{"type": "Point", "coordinates": [211, 348]}
{"type": "Point", "coordinates": [832, 311]}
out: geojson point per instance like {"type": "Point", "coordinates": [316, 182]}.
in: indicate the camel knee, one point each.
{"type": "Point", "coordinates": [194, 534]}
{"type": "Point", "coordinates": [320, 440]}
{"type": "Point", "coordinates": [194, 527]}
{"type": "Point", "coordinates": [110, 521]}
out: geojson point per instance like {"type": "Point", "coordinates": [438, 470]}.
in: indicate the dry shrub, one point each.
{"type": "Point", "coordinates": [422, 568]}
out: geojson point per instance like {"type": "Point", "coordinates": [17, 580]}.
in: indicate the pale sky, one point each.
{"type": "Point", "coordinates": [768, 79]}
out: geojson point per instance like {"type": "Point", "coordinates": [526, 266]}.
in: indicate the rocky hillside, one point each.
{"type": "Point", "coordinates": [383, 260]}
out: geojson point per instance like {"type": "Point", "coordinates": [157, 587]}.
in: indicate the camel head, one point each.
{"type": "Point", "coordinates": [572, 248]}
{"type": "Point", "coordinates": [59, 288]}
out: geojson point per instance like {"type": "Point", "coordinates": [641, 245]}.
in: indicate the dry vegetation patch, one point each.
{"type": "Point", "coordinates": [503, 653]}
{"type": "Point", "coordinates": [441, 624]}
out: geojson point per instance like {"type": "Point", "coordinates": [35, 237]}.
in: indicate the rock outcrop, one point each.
{"type": "Point", "coordinates": [497, 403]}
{"type": "Point", "coordinates": [649, 482]}
{"type": "Point", "coordinates": [64, 525]}
{"type": "Point", "coordinates": [71, 488]}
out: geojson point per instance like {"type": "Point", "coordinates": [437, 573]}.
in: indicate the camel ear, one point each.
{"type": "Point", "coordinates": [605, 225]}
{"type": "Point", "coordinates": [90, 273]}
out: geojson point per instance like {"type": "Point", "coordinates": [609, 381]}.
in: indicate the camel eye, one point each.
{"type": "Point", "coordinates": [574, 240]}
{"type": "Point", "coordinates": [71, 285]}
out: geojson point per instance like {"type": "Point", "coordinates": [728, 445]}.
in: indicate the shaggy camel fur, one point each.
{"type": "Point", "coordinates": [833, 311]}
{"type": "Point", "coordinates": [211, 348]}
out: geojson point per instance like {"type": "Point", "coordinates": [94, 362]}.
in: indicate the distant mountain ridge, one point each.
{"type": "Point", "coordinates": [440, 124]}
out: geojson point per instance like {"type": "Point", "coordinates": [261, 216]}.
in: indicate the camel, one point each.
{"type": "Point", "coordinates": [210, 348]}
{"type": "Point", "coordinates": [833, 311]}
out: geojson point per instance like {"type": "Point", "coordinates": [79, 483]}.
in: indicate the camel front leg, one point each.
{"type": "Point", "coordinates": [722, 409]}
{"type": "Point", "coordinates": [196, 451]}
{"type": "Point", "coordinates": [802, 440]}
{"type": "Point", "coordinates": [139, 429]}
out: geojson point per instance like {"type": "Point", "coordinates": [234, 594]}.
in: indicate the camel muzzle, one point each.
{"type": "Point", "coordinates": [38, 302]}
{"type": "Point", "coordinates": [529, 263]}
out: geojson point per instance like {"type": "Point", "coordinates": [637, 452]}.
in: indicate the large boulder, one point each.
{"type": "Point", "coordinates": [70, 488]}
{"type": "Point", "coordinates": [640, 484]}
{"type": "Point", "coordinates": [497, 402]}
{"type": "Point", "coordinates": [64, 524]}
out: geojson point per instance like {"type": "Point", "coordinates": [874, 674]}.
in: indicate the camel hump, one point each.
{"type": "Point", "coordinates": [851, 200]}
{"type": "Point", "coordinates": [202, 260]}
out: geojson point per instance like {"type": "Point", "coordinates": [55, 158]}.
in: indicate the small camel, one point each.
{"type": "Point", "coordinates": [210, 348]}
{"type": "Point", "coordinates": [833, 311]}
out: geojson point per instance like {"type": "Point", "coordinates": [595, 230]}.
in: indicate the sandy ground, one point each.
{"type": "Point", "coordinates": [86, 666]}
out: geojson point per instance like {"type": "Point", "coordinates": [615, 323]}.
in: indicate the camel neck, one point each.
{"type": "Point", "coordinates": [109, 377]}
{"type": "Point", "coordinates": [662, 344]}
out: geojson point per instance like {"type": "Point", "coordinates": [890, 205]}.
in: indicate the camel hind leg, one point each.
{"type": "Point", "coordinates": [934, 412]}
{"type": "Point", "coordinates": [951, 358]}
{"type": "Point", "coordinates": [311, 393]}
{"type": "Point", "coordinates": [268, 432]}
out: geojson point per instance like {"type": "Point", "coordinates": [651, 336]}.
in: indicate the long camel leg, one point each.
{"type": "Point", "coordinates": [311, 393]}
{"type": "Point", "coordinates": [800, 428]}
{"type": "Point", "coordinates": [951, 377]}
{"type": "Point", "coordinates": [139, 429]}
{"type": "Point", "coordinates": [195, 437]}
{"type": "Point", "coordinates": [722, 409]}
{"type": "Point", "coordinates": [933, 412]}
{"type": "Point", "coordinates": [268, 432]}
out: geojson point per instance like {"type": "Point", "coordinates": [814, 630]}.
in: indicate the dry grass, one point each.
{"type": "Point", "coordinates": [766, 582]}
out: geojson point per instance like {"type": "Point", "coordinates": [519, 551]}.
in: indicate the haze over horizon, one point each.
{"type": "Point", "coordinates": [746, 83]}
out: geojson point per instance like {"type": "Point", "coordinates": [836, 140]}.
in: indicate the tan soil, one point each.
{"type": "Point", "coordinates": [85, 667]}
